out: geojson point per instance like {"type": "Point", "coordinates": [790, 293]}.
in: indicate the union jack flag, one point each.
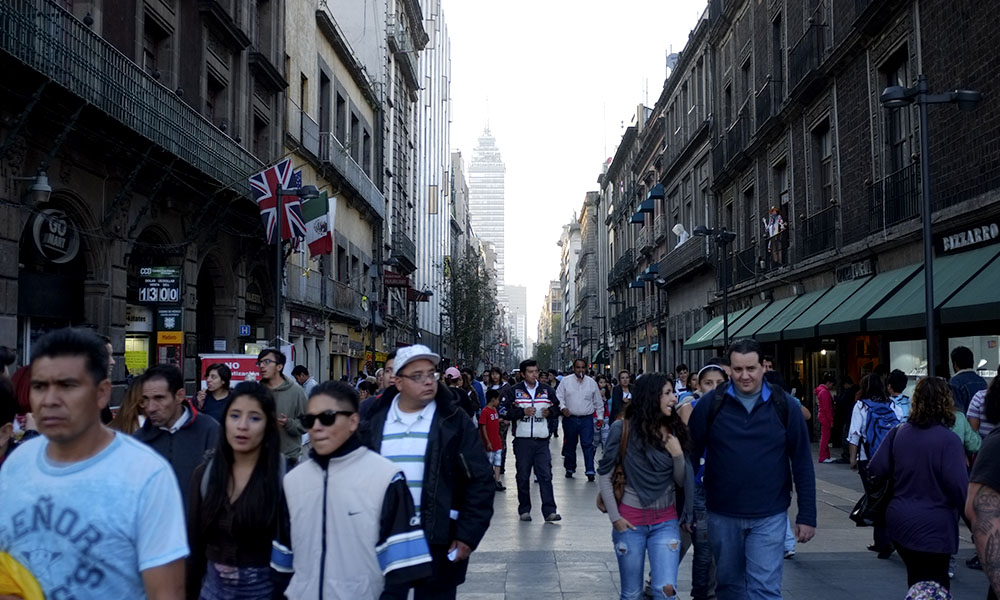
{"type": "Point", "coordinates": [262, 186]}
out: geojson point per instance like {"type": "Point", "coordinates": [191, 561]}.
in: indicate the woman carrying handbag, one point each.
{"type": "Point", "coordinates": [926, 464]}
{"type": "Point", "coordinates": [644, 473]}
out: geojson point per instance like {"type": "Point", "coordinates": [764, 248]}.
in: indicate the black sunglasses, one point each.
{"type": "Point", "coordinates": [325, 418]}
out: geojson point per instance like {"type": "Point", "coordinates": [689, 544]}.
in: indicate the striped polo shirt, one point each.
{"type": "Point", "coordinates": [404, 442]}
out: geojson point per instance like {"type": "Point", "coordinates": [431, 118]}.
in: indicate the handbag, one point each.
{"type": "Point", "coordinates": [870, 509]}
{"type": "Point", "coordinates": [618, 474]}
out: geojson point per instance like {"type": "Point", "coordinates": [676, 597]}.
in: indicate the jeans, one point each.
{"type": "Point", "coordinates": [663, 542]}
{"type": "Point", "coordinates": [602, 432]}
{"type": "Point", "coordinates": [702, 563]}
{"type": "Point", "coordinates": [789, 536]}
{"type": "Point", "coordinates": [582, 428]}
{"type": "Point", "coordinates": [236, 583]}
{"type": "Point", "coordinates": [533, 453]}
{"type": "Point", "coordinates": [748, 556]}
{"type": "Point", "coordinates": [504, 428]}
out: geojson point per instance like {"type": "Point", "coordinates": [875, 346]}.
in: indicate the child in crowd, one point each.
{"type": "Point", "coordinates": [489, 429]}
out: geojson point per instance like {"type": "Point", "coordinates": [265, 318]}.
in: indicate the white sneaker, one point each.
{"type": "Point", "coordinates": [789, 553]}
{"type": "Point", "coordinates": [830, 460]}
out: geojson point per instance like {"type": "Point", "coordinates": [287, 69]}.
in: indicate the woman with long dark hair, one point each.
{"type": "Point", "coordinates": [926, 462]}
{"type": "Point", "coordinates": [658, 490]}
{"type": "Point", "coordinates": [984, 409]}
{"type": "Point", "coordinates": [235, 502]}
{"type": "Point", "coordinates": [213, 399]}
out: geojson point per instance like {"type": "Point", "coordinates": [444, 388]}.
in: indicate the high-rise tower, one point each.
{"type": "Point", "coordinates": [486, 201]}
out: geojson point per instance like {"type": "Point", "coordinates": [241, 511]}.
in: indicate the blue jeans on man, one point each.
{"type": "Point", "coordinates": [582, 428]}
{"type": "Point", "coordinates": [748, 556]}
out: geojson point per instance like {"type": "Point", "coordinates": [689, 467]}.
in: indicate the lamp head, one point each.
{"type": "Point", "coordinates": [41, 190]}
{"type": "Point", "coordinates": [896, 96]}
{"type": "Point", "coordinates": [702, 230]}
{"type": "Point", "coordinates": [307, 192]}
{"type": "Point", "coordinates": [967, 99]}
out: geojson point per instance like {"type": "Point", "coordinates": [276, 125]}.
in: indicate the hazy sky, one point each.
{"type": "Point", "coordinates": [555, 79]}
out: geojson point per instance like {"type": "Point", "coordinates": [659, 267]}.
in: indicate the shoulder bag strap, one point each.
{"type": "Point", "coordinates": [623, 444]}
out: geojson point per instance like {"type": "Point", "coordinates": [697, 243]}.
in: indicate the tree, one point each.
{"type": "Point", "coordinates": [470, 302]}
{"type": "Point", "coordinates": [543, 354]}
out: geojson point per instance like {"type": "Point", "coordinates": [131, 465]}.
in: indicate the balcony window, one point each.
{"type": "Point", "coordinates": [778, 57]}
{"type": "Point", "coordinates": [355, 138]}
{"type": "Point", "coordinates": [216, 100]}
{"type": "Point", "coordinates": [898, 129]}
{"type": "Point", "coordinates": [156, 51]}
{"type": "Point", "coordinates": [366, 155]}
{"type": "Point", "coordinates": [340, 124]}
{"type": "Point", "coordinates": [263, 28]}
{"type": "Point", "coordinates": [324, 102]}
{"type": "Point", "coordinates": [261, 138]}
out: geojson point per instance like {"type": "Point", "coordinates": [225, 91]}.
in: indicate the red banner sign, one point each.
{"type": "Point", "coordinates": [395, 280]}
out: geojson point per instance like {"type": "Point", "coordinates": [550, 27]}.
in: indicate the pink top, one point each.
{"type": "Point", "coordinates": [647, 516]}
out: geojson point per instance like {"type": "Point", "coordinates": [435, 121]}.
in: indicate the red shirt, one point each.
{"type": "Point", "coordinates": [489, 419]}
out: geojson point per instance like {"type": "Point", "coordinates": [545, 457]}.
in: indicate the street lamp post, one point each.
{"type": "Point", "coordinates": [723, 238]}
{"type": "Point", "coordinates": [306, 192]}
{"type": "Point", "coordinates": [895, 97]}
{"type": "Point", "coordinates": [604, 331]}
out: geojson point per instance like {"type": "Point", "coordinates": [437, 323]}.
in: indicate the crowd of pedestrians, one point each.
{"type": "Point", "coordinates": [290, 487]}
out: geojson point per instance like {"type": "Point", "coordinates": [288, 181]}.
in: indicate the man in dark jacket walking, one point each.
{"type": "Point", "coordinates": [532, 406]}
{"type": "Point", "coordinates": [453, 484]}
{"type": "Point", "coordinates": [172, 427]}
{"type": "Point", "coordinates": [750, 432]}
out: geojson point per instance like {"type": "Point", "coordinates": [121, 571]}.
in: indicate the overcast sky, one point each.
{"type": "Point", "coordinates": [555, 79]}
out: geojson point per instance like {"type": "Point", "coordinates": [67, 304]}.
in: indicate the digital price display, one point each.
{"type": "Point", "coordinates": [159, 285]}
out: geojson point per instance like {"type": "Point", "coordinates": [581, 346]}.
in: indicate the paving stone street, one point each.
{"type": "Point", "coordinates": [573, 559]}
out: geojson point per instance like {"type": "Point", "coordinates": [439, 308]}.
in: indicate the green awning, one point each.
{"type": "Point", "coordinates": [977, 300]}
{"type": "Point", "coordinates": [735, 325]}
{"type": "Point", "coordinates": [849, 317]}
{"type": "Point", "coordinates": [772, 331]}
{"type": "Point", "coordinates": [654, 347]}
{"type": "Point", "coordinates": [704, 338]}
{"type": "Point", "coordinates": [601, 357]}
{"type": "Point", "coordinates": [905, 308]}
{"type": "Point", "coordinates": [763, 318]}
{"type": "Point", "coordinates": [804, 326]}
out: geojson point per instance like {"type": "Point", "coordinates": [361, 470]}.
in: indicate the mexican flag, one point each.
{"type": "Point", "coordinates": [318, 215]}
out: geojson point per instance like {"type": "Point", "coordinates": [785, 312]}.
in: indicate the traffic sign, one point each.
{"type": "Point", "coordinates": [244, 331]}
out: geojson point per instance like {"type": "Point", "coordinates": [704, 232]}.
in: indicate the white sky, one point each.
{"type": "Point", "coordinates": [555, 79]}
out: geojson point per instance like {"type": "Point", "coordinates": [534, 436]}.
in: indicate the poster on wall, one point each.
{"type": "Point", "coordinates": [243, 366]}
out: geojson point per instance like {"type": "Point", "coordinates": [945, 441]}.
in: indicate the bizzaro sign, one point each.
{"type": "Point", "coordinates": [970, 237]}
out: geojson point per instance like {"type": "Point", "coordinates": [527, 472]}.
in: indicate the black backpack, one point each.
{"type": "Point", "coordinates": [776, 393]}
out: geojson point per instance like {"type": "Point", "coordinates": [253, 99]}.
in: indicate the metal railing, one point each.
{"type": "Point", "coordinates": [768, 102]}
{"type": "Point", "coordinates": [347, 301]}
{"type": "Point", "coordinates": [644, 241]}
{"type": "Point", "coordinates": [683, 259]}
{"type": "Point", "coordinates": [775, 251]}
{"type": "Point", "coordinates": [52, 41]}
{"type": "Point", "coordinates": [744, 264]}
{"type": "Point", "coordinates": [894, 199]}
{"type": "Point", "coordinates": [819, 232]}
{"type": "Point", "coordinates": [806, 56]}
{"type": "Point", "coordinates": [404, 249]}
{"type": "Point", "coordinates": [659, 228]}
{"type": "Point", "coordinates": [333, 153]}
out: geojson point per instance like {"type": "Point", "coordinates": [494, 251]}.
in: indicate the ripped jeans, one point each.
{"type": "Point", "coordinates": [663, 542]}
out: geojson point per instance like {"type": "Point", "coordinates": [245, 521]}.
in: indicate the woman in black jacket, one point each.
{"type": "Point", "coordinates": [235, 502]}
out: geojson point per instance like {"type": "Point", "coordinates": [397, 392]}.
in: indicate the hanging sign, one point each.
{"type": "Point", "coordinates": [159, 285]}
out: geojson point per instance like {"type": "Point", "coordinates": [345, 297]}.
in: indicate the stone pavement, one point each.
{"type": "Point", "coordinates": [573, 559]}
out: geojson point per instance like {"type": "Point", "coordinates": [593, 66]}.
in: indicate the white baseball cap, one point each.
{"type": "Point", "coordinates": [408, 354]}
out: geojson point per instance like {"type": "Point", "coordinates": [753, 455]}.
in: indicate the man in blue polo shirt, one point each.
{"type": "Point", "coordinates": [754, 449]}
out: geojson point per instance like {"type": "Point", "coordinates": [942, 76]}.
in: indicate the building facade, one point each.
{"type": "Point", "coordinates": [517, 304]}
{"type": "Point", "coordinates": [569, 245]}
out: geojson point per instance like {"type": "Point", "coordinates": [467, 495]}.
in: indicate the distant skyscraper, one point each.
{"type": "Point", "coordinates": [517, 300]}
{"type": "Point", "coordinates": [486, 201]}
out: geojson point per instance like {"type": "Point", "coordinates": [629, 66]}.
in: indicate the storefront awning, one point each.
{"type": "Point", "coordinates": [638, 218]}
{"type": "Point", "coordinates": [601, 357]}
{"type": "Point", "coordinates": [647, 205]}
{"type": "Point", "coordinates": [849, 317]}
{"type": "Point", "coordinates": [977, 300]}
{"type": "Point", "coordinates": [642, 349]}
{"type": "Point", "coordinates": [654, 347]}
{"type": "Point", "coordinates": [764, 317]}
{"type": "Point", "coordinates": [804, 326]}
{"type": "Point", "coordinates": [773, 330]}
{"type": "Point", "coordinates": [704, 338]}
{"type": "Point", "coordinates": [735, 326]}
{"type": "Point", "coordinates": [657, 192]}
{"type": "Point", "coordinates": [905, 308]}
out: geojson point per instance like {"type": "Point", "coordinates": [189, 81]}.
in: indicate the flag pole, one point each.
{"type": "Point", "coordinates": [279, 266]}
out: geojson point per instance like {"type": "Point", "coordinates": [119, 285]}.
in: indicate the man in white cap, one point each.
{"type": "Point", "coordinates": [417, 424]}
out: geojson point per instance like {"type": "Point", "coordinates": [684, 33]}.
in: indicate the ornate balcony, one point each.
{"type": "Point", "coordinates": [405, 251]}
{"type": "Point", "coordinates": [894, 199]}
{"type": "Point", "coordinates": [684, 259]}
{"type": "Point", "coordinates": [334, 154]}
{"type": "Point", "coordinates": [644, 241]}
{"type": "Point", "coordinates": [659, 228]}
{"type": "Point", "coordinates": [819, 232]}
{"type": "Point", "coordinates": [50, 40]}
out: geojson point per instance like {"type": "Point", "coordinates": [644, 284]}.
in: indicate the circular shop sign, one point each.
{"type": "Point", "coordinates": [55, 237]}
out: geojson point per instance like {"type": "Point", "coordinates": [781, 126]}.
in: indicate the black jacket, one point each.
{"type": "Point", "coordinates": [616, 407]}
{"type": "Point", "coordinates": [186, 448]}
{"type": "Point", "coordinates": [457, 475]}
{"type": "Point", "coordinates": [510, 411]}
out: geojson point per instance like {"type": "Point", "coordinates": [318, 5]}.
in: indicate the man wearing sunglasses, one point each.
{"type": "Point", "coordinates": [418, 425]}
{"type": "Point", "coordinates": [289, 399]}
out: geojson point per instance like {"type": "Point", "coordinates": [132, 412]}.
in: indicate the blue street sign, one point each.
{"type": "Point", "coordinates": [244, 331]}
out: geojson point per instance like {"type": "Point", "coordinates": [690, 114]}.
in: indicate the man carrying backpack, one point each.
{"type": "Point", "coordinates": [756, 444]}
{"type": "Point", "coordinates": [873, 418]}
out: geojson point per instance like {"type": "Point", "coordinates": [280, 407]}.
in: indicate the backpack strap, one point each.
{"type": "Point", "coordinates": [717, 400]}
{"type": "Point", "coordinates": [206, 476]}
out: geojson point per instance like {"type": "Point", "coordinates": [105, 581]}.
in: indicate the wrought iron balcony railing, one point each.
{"type": "Point", "coordinates": [894, 199]}
{"type": "Point", "coordinates": [50, 40]}
{"type": "Point", "coordinates": [333, 153]}
{"type": "Point", "coordinates": [819, 232]}
{"type": "Point", "coordinates": [643, 240]}
{"type": "Point", "coordinates": [404, 250]}
{"type": "Point", "coordinates": [659, 228]}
